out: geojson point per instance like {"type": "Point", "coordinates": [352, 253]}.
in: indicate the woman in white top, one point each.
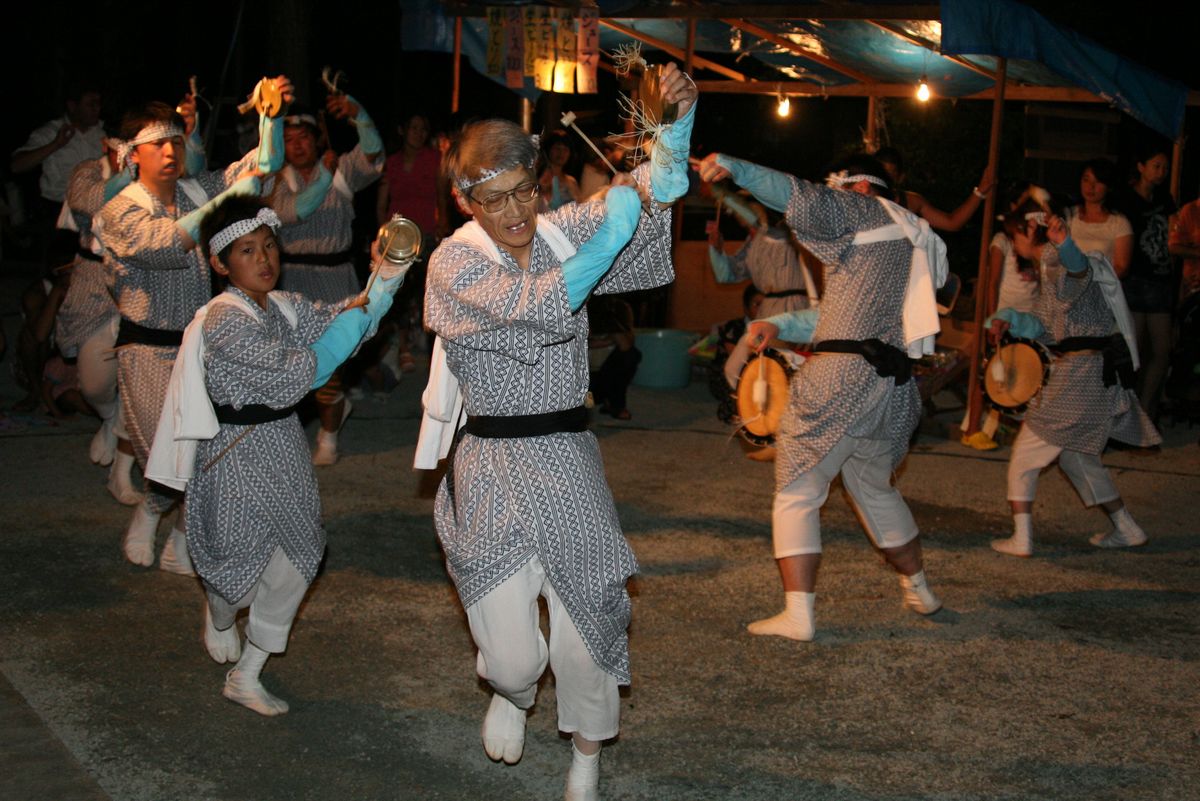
{"type": "Point", "coordinates": [1096, 227]}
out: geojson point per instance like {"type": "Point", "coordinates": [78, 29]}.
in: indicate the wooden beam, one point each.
{"type": "Point", "coordinates": [871, 137]}
{"type": "Point", "coordinates": [457, 70]}
{"type": "Point", "coordinates": [834, 10]}
{"type": "Point", "coordinates": [896, 30]}
{"type": "Point", "coordinates": [672, 50]}
{"type": "Point", "coordinates": [792, 47]}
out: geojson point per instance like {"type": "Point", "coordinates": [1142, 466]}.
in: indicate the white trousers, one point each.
{"type": "Point", "coordinates": [513, 654]}
{"type": "Point", "coordinates": [1031, 454]}
{"type": "Point", "coordinates": [97, 364]}
{"type": "Point", "coordinates": [273, 602]}
{"type": "Point", "coordinates": [866, 469]}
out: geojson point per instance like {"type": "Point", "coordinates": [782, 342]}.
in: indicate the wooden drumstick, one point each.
{"type": "Point", "coordinates": [568, 121]}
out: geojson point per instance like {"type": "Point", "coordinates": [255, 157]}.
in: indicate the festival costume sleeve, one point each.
{"type": "Point", "coordinates": [195, 159]}
{"type": "Point", "coordinates": [668, 162]}
{"type": "Point", "coordinates": [368, 135]}
{"type": "Point", "coordinates": [1071, 256]}
{"type": "Point", "coordinates": [270, 144]}
{"type": "Point", "coordinates": [215, 182]}
{"type": "Point", "coordinates": [1067, 284]}
{"type": "Point", "coordinates": [584, 270]}
{"type": "Point", "coordinates": [113, 186]}
{"type": "Point", "coordinates": [796, 326]}
{"type": "Point", "coordinates": [337, 343]}
{"type": "Point", "coordinates": [1020, 324]}
{"type": "Point", "coordinates": [772, 188]}
{"type": "Point", "coordinates": [723, 266]}
{"type": "Point", "coordinates": [310, 198]}
{"type": "Point", "coordinates": [357, 170]}
{"type": "Point", "coordinates": [268, 370]}
{"type": "Point", "coordinates": [190, 222]}
{"type": "Point", "coordinates": [86, 193]}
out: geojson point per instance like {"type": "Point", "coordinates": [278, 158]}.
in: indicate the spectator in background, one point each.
{"type": "Point", "coordinates": [56, 147]}
{"type": "Point", "coordinates": [611, 328]}
{"type": "Point", "coordinates": [558, 186]}
{"type": "Point", "coordinates": [915, 202]}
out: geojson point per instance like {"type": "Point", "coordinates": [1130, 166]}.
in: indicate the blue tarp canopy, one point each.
{"type": "Point", "coordinates": [855, 49]}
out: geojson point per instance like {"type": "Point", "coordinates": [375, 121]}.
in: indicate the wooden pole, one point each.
{"type": "Point", "coordinates": [983, 283]}
{"type": "Point", "coordinates": [457, 66]}
{"type": "Point", "coordinates": [1177, 167]}
{"type": "Point", "coordinates": [871, 138]}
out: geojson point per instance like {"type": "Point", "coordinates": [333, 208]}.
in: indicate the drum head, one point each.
{"type": "Point", "coordinates": [760, 423]}
{"type": "Point", "coordinates": [1014, 374]}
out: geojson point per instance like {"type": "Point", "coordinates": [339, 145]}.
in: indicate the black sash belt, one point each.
{"type": "Point", "coordinates": [784, 293]}
{"type": "Point", "coordinates": [84, 253]}
{"type": "Point", "coordinates": [887, 360]}
{"type": "Point", "coordinates": [130, 333]}
{"type": "Point", "coordinates": [1118, 362]}
{"type": "Point", "coordinates": [319, 259]}
{"type": "Point", "coordinates": [527, 425]}
{"type": "Point", "coordinates": [251, 414]}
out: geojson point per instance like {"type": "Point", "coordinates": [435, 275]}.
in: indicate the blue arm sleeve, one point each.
{"type": "Point", "coordinates": [115, 184]}
{"type": "Point", "coordinates": [722, 267]}
{"type": "Point", "coordinates": [337, 343]}
{"type": "Point", "coordinates": [312, 196]}
{"type": "Point", "coordinates": [190, 222]}
{"type": "Point", "coordinates": [195, 159]}
{"type": "Point", "coordinates": [668, 162]}
{"type": "Point", "coordinates": [270, 143]}
{"type": "Point", "coordinates": [584, 270]}
{"type": "Point", "coordinates": [1072, 257]}
{"type": "Point", "coordinates": [771, 187]}
{"type": "Point", "coordinates": [796, 326]}
{"type": "Point", "coordinates": [1020, 324]}
{"type": "Point", "coordinates": [368, 135]}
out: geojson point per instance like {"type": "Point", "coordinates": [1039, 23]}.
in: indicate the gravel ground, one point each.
{"type": "Point", "coordinates": [1071, 675]}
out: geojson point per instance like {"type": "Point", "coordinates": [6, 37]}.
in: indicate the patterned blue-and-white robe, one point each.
{"type": "Point", "coordinates": [157, 284]}
{"type": "Point", "coordinates": [835, 395]}
{"type": "Point", "coordinates": [89, 302]}
{"type": "Point", "coordinates": [326, 230]}
{"type": "Point", "coordinates": [1075, 411]}
{"type": "Point", "coordinates": [516, 348]}
{"type": "Point", "coordinates": [262, 493]}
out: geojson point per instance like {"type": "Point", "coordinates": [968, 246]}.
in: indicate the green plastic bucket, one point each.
{"type": "Point", "coordinates": [665, 360]}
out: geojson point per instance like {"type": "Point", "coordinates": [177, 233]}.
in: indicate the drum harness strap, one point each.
{"type": "Point", "coordinates": [888, 360]}
{"type": "Point", "coordinates": [1118, 362]}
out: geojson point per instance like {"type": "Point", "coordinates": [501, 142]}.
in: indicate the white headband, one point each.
{"type": "Point", "coordinates": [151, 133]}
{"type": "Point", "coordinates": [836, 180]}
{"type": "Point", "coordinates": [1039, 217]}
{"type": "Point", "coordinates": [466, 183]}
{"type": "Point", "coordinates": [229, 233]}
{"type": "Point", "coordinates": [300, 119]}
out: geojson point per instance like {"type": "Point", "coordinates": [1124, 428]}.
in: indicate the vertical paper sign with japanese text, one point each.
{"type": "Point", "coordinates": [589, 51]}
{"type": "Point", "coordinates": [564, 67]}
{"type": "Point", "coordinates": [514, 50]}
{"type": "Point", "coordinates": [495, 40]}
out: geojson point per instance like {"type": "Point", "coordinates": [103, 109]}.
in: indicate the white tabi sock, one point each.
{"type": "Point", "coordinates": [243, 687]}
{"type": "Point", "coordinates": [222, 646]}
{"type": "Point", "coordinates": [917, 595]}
{"type": "Point", "coordinates": [139, 537]}
{"type": "Point", "coordinates": [794, 622]}
{"type": "Point", "coordinates": [1126, 533]}
{"type": "Point", "coordinates": [583, 778]}
{"type": "Point", "coordinates": [504, 730]}
{"type": "Point", "coordinates": [175, 557]}
{"type": "Point", "coordinates": [104, 445]}
{"type": "Point", "coordinates": [120, 485]}
{"type": "Point", "coordinates": [1021, 542]}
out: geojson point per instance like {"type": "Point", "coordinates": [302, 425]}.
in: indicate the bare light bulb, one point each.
{"type": "Point", "coordinates": [923, 92]}
{"type": "Point", "coordinates": [784, 108]}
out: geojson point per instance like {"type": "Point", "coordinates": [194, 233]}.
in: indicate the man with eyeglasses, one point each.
{"type": "Point", "coordinates": [524, 510]}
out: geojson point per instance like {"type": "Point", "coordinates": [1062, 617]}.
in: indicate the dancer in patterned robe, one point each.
{"type": "Point", "coordinates": [1089, 398]}
{"type": "Point", "coordinates": [86, 324]}
{"type": "Point", "coordinates": [524, 510]}
{"type": "Point", "coordinates": [160, 279]}
{"type": "Point", "coordinates": [852, 410]}
{"type": "Point", "coordinates": [316, 204]}
{"type": "Point", "coordinates": [253, 511]}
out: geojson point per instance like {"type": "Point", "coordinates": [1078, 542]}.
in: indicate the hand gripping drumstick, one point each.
{"type": "Point", "coordinates": [568, 121]}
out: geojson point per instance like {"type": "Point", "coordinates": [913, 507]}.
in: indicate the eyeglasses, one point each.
{"type": "Point", "coordinates": [522, 192]}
